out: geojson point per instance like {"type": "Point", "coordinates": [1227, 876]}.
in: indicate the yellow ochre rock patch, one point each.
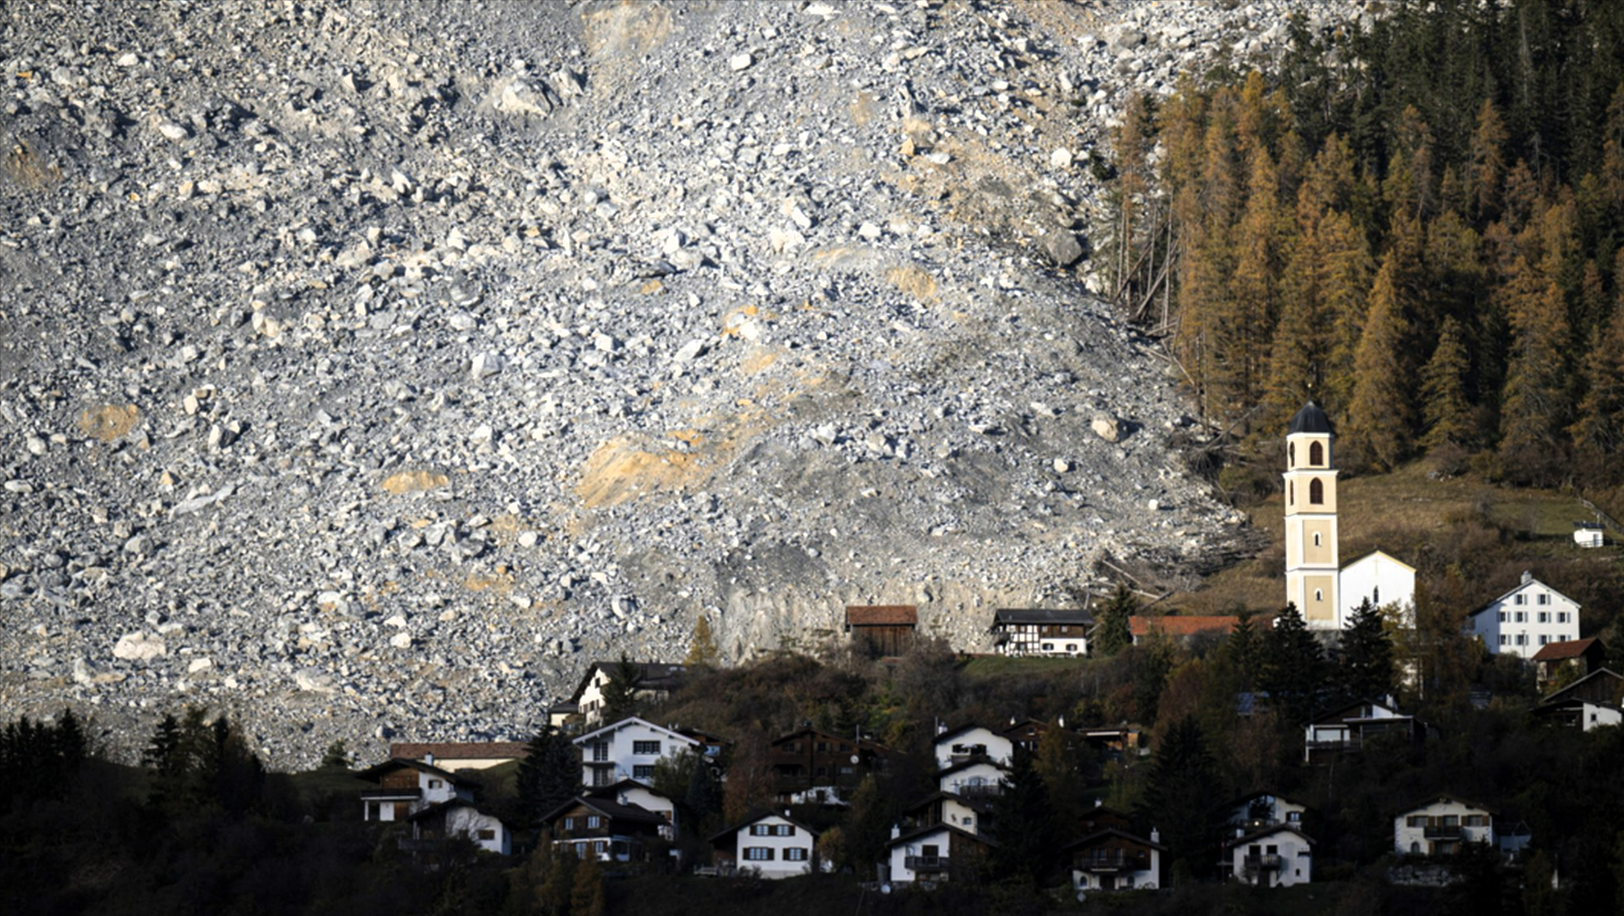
{"type": "Point", "coordinates": [109, 421]}
{"type": "Point", "coordinates": [415, 482]}
{"type": "Point", "coordinates": [913, 280]}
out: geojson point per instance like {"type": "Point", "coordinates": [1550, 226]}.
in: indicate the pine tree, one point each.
{"type": "Point", "coordinates": [1293, 667]}
{"type": "Point", "coordinates": [1254, 289]}
{"type": "Point", "coordinates": [1445, 409]}
{"type": "Point", "coordinates": [553, 896]}
{"type": "Point", "coordinates": [620, 691]}
{"type": "Point", "coordinates": [336, 757]}
{"type": "Point", "coordinates": [1600, 426]}
{"type": "Point", "coordinates": [1181, 796]}
{"type": "Point", "coordinates": [1242, 650]}
{"type": "Point", "coordinates": [703, 798]}
{"type": "Point", "coordinates": [1534, 404]}
{"type": "Point", "coordinates": [1486, 166]}
{"type": "Point", "coordinates": [1379, 415]}
{"type": "Point", "coordinates": [702, 653]}
{"type": "Point", "coordinates": [1114, 633]}
{"type": "Point", "coordinates": [548, 776]}
{"type": "Point", "coordinates": [1346, 271]}
{"type": "Point", "coordinates": [1364, 669]}
{"type": "Point", "coordinates": [1025, 829]}
{"type": "Point", "coordinates": [1059, 765]}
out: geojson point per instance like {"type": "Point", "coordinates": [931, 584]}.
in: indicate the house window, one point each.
{"type": "Point", "coordinates": [1519, 599]}
{"type": "Point", "coordinates": [1291, 454]}
{"type": "Point", "coordinates": [929, 851]}
{"type": "Point", "coordinates": [1316, 455]}
{"type": "Point", "coordinates": [783, 830]}
{"type": "Point", "coordinates": [1505, 640]}
{"type": "Point", "coordinates": [485, 833]}
{"type": "Point", "coordinates": [643, 771]}
{"type": "Point", "coordinates": [1522, 639]}
{"type": "Point", "coordinates": [795, 855]}
{"type": "Point", "coordinates": [1542, 598]}
{"type": "Point", "coordinates": [569, 823]}
{"type": "Point", "coordinates": [1544, 616]}
{"type": "Point", "coordinates": [1048, 647]}
{"type": "Point", "coordinates": [1071, 647]}
{"type": "Point", "coordinates": [1476, 820]}
{"type": "Point", "coordinates": [1561, 616]}
{"type": "Point", "coordinates": [1316, 491]}
{"type": "Point", "coordinates": [1415, 848]}
{"type": "Point", "coordinates": [1415, 820]}
{"type": "Point", "coordinates": [1544, 639]}
{"type": "Point", "coordinates": [1522, 617]}
{"type": "Point", "coordinates": [758, 853]}
{"type": "Point", "coordinates": [1293, 817]}
{"type": "Point", "coordinates": [1376, 596]}
{"type": "Point", "coordinates": [759, 830]}
{"type": "Point", "coordinates": [435, 783]}
{"type": "Point", "coordinates": [1505, 616]}
{"type": "Point", "coordinates": [603, 776]}
{"type": "Point", "coordinates": [600, 751]}
{"type": "Point", "coordinates": [1319, 595]}
{"type": "Point", "coordinates": [593, 821]}
{"type": "Point", "coordinates": [1316, 539]}
{"type": "Point", "coordinates": [646, 748]}
{"type": "Point", "coordinates": [1291, 493]}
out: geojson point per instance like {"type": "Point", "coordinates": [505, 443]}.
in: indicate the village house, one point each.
{"type": "Point", "coordinates": [940, 852]}
{"type": "Point", "coordinates": [1278, 855]}
{"type": "Point", "coordinates": [604, 828]}
{"type": "Point", "coordinates": [455, 818]}
{"type": "Point", "coordinates": [1578, 656]}
{"type": "Point", "coordinates": [1524, 620]}
{"type": "Point", "coordinates": [1351, 727]}
{"type": "Point", "coordinates": [968, 814]}
{"type": "Point", "coordinates": [1114, 859]}
{"type": "Point", "coordinates": [1593, 701]}
{"type": "Point", "coordinates": [1031, 631]}
{"type": "Point", "coordinates": [771, 845]}
{"type": "Point", "coordinates": [883, 629]}
{"type": "Point", "coordinates": [406, 787]}
{"type": "Point", "coordinates": [972, 779]}
{"type": "Point", "coordinates": [1438, 826]}
{"type": "Point", "coordinates": [631, 793]}
{"type": "Point", "coordinates": [654, 682]}
{"type": "Point", "coordinates": [1261, 809]}
{"type": "Point", "coordinates": [815, 767]}
{"type": "Point", "coordinates": [971, 742]}
{"type": "Point", "coordinates": [481, 755]}
{"type": "Point", "coordinates": [1589, 534]}
{"type": "Point", "coordinates": [629, 749]}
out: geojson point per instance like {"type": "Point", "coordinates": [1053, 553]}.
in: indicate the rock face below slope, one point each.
{"type": "Point", "coordinates": [368, 369]}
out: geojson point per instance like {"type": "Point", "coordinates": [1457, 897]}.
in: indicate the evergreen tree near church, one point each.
{"type": "Point", "coordinates": [1293, 667]}
{"type": "Point", "coordinates": [1364, 669]}
{"type": "Point", "coordinates": [548, 775]}
{"type": "Point", "coordinates": [1180, 796]}
{"type": "Point", "coordinates": [1114, 633]}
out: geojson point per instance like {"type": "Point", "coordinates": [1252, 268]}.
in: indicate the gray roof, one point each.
{"type": "Point", "coordinates": [1012, 615]}
{"type": "Point", "coordinates": [1310, 420]}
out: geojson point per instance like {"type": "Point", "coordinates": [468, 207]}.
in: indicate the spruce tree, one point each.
{"type": "Point", "coordinates": [549, 775]}
{"type": "Point", "coordinates": [1364, 667]}
{"type": "Point", "coordinates": [1534, 404]}
{"type": "Point", "coordinates": [1346, 270]}
{"type": "Point", "coordinates": [1182, 794]}
{"type": "Point", "coordinates": [620, 692]}
{"type": "Point", "coordinates": [1379, 415]}
{"type": "Point", "coordinates": [1293, 667]}
{"type": "Point", "coordinates": [1445, 409]}
{"type": "Point", "coordinates": [1486, 165]}
{"type": "Point", "coordinates": [1025, 829]}
{"type": "Point", "coordinates": [1114, 632]}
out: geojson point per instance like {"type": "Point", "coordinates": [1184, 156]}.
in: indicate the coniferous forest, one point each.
{"type": "Point", "coordinates": [1418, 225]}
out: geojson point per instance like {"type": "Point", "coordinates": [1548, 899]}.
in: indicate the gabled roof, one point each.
{"type": "Point", "coordinates": [1527, 580]}
{"type": "Point", "coordinates": [977, 760]}
{"type": "Point", "coordinates": [613, 790]}
{"type": "Point", "coordinates": [1558, 651]}
{"type": "Point", "coordinates": [446, 805]}
{"type": "Point", "coordinates": [1180, 625]}
{"type": "Point", "coordinates": [1107, 833]}
{"type": "Point", "coordinates": [650, 676]}
{"type": "Point", "coordinates": [460, 750]}
{"type": "Point", "coordinates": [945, 737]}
{"type": "Point", "coordinates": [860, 743]}
{"type": "Point", "coordinates": [933, 828]}
{"type": "Point", "coordinates": [1340, 714]}
{"type": "Point", "coordinates": [1377, 553]}
{"type": "Point", "coordinates": [372, 773]}
{"type": "Point", "coordinates": [882, 615]}
{"type": "Point", "coordinates": [1445, 797]}
{"type": "Point", "coordinates": [636, 814]}
{"type": "Point", "coordinates": [1010, 616]}
{"type": "Point", "coordinates": [1249, 798]}
{"type": "Point", "coordinates": [759, 816]}
{"type": "Point", "coordinates": [1603, 673]}
{"type": "Point", "coordinates": [633, 720]}
{"type": "Point", "coordinates": [1310, 419]}
{"type": "Point", "coordinates": [1268, 831]}
{"type": "Point", "coordinates": [927, 801]}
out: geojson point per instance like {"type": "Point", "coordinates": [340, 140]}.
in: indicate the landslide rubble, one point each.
{"type": "Point", "coordinates": [368, 369]}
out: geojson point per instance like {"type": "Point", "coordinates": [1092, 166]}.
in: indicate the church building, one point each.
{"type": "Point", "coordinates": [1326, 592]}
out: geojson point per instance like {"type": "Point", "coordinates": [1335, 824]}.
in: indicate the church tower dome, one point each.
{"type": "Point", "coordinates": [1311, 525]}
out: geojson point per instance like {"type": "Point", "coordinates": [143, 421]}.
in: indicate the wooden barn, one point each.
{"type": "Point", "coordinates": [884, 629]}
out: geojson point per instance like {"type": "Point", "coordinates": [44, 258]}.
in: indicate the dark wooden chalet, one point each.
{"type": "Point", "coordinates": [815, 767]}
{"type": "Point", "coordinates": [1114, 859]}
{"type": "Point", "coordinates": [604, 828]}
{"type": "Point", "coordinates": [882, 629]}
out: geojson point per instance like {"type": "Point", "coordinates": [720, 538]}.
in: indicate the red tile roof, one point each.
{"type": "Point", "coordinates": [1182, 626]}
{"type": "Point", "coordinates": [463, 751]}
{"type": "Point", "coordinates": [882, 615]}
{"type": "Point", "coordinates": [1558, 651]}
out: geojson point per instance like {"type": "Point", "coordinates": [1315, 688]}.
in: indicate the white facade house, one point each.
{"type": "Point", "coordinates": [1116, 860]}
{"type": "Point", "coordinates": [406, 787]}
{"type": "Point", "coordinates": [654, 680]}
{"type": "Point", "coordinates": [628, 749]}
{"type": "Point", "coordinates": [1525, 619]}
{"type": "Point", "coordinates": [1440, 825]}
{"type": "Point", "coordinates": [1589, 534]}
{"type": "Point", "coordinates": [1037, 631]}
{"type": "Point", "coordinates": [631, 792]}
{"type": "Point", "coordinates": [769, 844]}
{"type": "Point", "coordinates": [1260, 809]}
{"type": "Point", "coordinates": [932, 853]}
{"type": "Point", "coordinates": [457, 818]}
{"type": "Point", "coordinates": [1277, 856]}
{"type": "Point", "coordinates": [1379, 577]}
{"type": "Point", "coordinates": [972, 779]}
{"type": "Point", "coordinates": [970, 742]}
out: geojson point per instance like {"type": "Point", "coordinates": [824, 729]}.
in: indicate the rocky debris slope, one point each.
{"type": "Point", "coordinates": [367, 369]}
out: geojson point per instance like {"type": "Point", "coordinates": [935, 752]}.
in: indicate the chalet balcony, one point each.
{"type": "Point", "coordinates": [1442, 832]}
{"type": "Point", "coordinates": [1263, 863]}
{"type": "Point", "coordinates": [1110, 861]}
{"type": "Point", "coordinates": [1332, 747]}
{"type": "Point", "coordinates": [979, 791]}
{"type": "Point", "coordinates": [926, 863]}
{"type": "Point", "coordinates": [390, 794]}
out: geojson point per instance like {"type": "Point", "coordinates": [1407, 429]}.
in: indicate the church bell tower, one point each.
{"type": "Point", "coordinates": [1311, 559]}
